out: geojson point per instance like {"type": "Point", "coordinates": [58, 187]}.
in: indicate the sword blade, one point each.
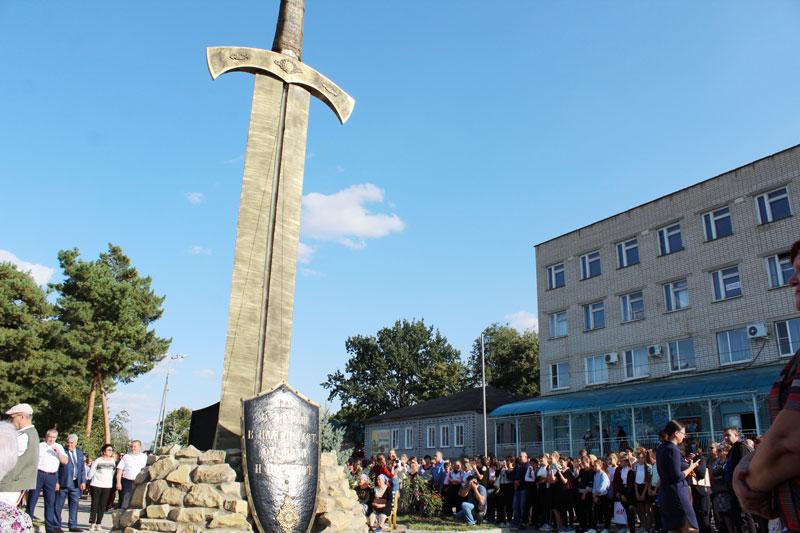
{"type": "Point", "coordinates": [268, 230]}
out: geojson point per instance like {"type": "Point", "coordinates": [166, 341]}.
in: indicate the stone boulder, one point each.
{"type": "Point", "coordinates": [213, 474]}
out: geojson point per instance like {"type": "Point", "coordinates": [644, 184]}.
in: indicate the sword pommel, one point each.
{"type": "Point", "coordinates": [289, 31]}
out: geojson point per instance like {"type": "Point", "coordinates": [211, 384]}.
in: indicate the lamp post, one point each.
{"type": "Point", "coordinates": [159, 438]}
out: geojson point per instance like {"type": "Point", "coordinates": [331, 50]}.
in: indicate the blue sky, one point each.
{"type": "Point", "coordinates": [480, 129]}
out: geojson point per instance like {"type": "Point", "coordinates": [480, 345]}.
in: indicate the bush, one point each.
{"type": "Point", "coordinates": [418, 498]}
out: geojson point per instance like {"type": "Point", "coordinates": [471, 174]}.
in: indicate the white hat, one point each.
{"type": "Point", "coordinates": [22, 408]}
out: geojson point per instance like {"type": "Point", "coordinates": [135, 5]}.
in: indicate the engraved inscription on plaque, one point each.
{"type": "Point", "coordinates": [280, 443]}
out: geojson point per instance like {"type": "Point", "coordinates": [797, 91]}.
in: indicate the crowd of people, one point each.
{"type": "Point", "coordinates": [60, 475]}
{"type": "Point", "coordinates": [638, 489]}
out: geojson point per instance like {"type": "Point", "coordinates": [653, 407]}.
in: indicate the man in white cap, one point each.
{"type": "Point", "coordinates": [22, 477]}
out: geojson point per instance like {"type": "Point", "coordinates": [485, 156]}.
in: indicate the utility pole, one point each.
{"type": "Point", "coordinates": [158, 440]}
{"type": "Point", "coordinates": [483, 386]}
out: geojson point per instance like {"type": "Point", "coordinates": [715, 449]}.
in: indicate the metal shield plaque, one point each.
{"type": "Point", "coordinates": [280, 455]}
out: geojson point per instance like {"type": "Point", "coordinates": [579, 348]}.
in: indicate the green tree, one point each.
{"type": "Point", "coordinates": [107, 310]}
{"type": "Point", "coordinates": [120, 438]}
{"type": "Point", "coordinates": [332, 436]}
{"type": "Point", "coordinates": [512, 360]}
{"type": "Point", "coordinates": [34, 367]}
{"type": "Point", "coordinates": [176, 426]}
{"type": "Point", "coordinates": [400, 366]}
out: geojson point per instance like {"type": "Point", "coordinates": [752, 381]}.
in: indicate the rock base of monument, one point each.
{"type": "Point", "coordinates": [184, 490]}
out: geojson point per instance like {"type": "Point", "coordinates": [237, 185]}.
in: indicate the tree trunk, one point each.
{"type": "Point", "coordinates": [106, 425]}
{"type": "Point", "coordinates": [90, 408]}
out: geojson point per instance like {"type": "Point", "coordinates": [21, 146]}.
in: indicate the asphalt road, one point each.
{"type": "Point", "coordinates": [83, 516]}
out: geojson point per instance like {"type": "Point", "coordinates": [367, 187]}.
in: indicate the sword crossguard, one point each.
{"type": "Point", "coordinates": [223, 59]}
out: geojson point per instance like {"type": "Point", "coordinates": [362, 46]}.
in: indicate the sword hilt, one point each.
{"type": "Point", "coordinates": [289, 31]}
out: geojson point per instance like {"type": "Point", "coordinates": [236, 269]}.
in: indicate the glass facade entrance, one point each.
{"type": "Point", "coordinates": [612, 429]}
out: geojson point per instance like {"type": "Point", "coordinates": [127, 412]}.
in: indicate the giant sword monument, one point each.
{"type": "Point", "coordinates": [276, 427]}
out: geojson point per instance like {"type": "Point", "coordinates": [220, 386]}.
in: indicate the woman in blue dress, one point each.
{"type": "Point", "coordinates": [675, 505]}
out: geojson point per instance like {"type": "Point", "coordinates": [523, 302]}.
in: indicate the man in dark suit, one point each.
{"type": "Point", "coordinates": [72, 482]}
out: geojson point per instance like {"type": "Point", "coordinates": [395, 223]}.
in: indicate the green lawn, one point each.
{"type": "Point", "coordinates": [439, 524]}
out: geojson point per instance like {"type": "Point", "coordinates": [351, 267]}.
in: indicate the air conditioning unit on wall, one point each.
{"type": "Point", "coordinates": [611, 358]}
{"type": "Point", "coordinates": [654, 350]}
{"type": "Point", "coordinates": [757, 331]}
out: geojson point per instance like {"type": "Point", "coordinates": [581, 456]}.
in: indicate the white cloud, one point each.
{"type": "Point", "coordinates": [311, 273]}
{"type": "Point", "coordinates": [41, 274]}
{"type": "Point", "coordinates": [304, 253]}
{"type": "Point", "coordinates": [339, 169]}
{"type": "Point", "coordinates": [342, 216]}
{"type": "Point", "coordinates": [205, 373]}
{"type": "Point", "coordinates": [199, 250]}
{"type": "Point", "coordinates": [522, 321]}
{"type": "Point", "coordinates": [195, 197]}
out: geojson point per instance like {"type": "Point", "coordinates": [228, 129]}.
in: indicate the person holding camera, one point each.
{"type": "Point", "coordinates": [473, 508]}
{"type": "Point", "coordinates": [675, 505]}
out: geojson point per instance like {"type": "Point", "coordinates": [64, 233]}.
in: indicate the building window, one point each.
{"type": "Point", "coordinates": [636, 363]}
{"type": "Point", "coordinates": [726, 283]}
{"type": "Point", "coordinates": [773, 205]}
{"type": "Point", "coordinates": [594, 316]}
{"type": "Point", "coordinates": [558, 324]}
{"type": "Point", "coordinates": [681, 355]}
{"type": "Point", "coordinates": [409, 438]}
{"type": "Point", "coordinates": [430, 437]}
{"type": "Point", "coordinates": [669, 239]}
{"type": "Point", "coordinates": [458, 431]}
{"type": "Point", "coordinates": [556, 276]}
{"type": "Point", "coordinates": [628, 253]}
{"type": "Point", "coordinates": [733, 346]}
{"type": "Point", "coordinates": [590, 265]}
{"type": "Point", "coordinates": [718, 224]}
{"type": "Point", "coordinates": [788, 336]}
{"type": "Point", "coordinates": [444, 436]}
{"type": "Point", "coordinates": [676, 295]}
{"type": "Point", "coordinates": [632, 306]}
{"type": "Point", "coordinates": [596, 369]}
{"type": "Point", "coordinates": [395, 439]}
{"type": "Point", "coordinates": [559, 376]}
{"type": "Point", "coordinates": [780, 269]}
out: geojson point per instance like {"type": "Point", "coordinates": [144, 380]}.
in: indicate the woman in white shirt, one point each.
{"type": "Point", "coordinates": [102, 479]}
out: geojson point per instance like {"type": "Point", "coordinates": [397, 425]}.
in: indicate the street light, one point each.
{"type": "Point", "coordinates": [159, 438]}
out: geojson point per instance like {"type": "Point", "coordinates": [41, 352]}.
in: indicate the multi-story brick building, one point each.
{"type": "Point", "coordinates": [671, 309]}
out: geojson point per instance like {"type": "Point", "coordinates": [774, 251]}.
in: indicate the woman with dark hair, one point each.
{"type": "Point", "coordinates": [101, 476]}
{"type": "Point", "coordinates": [380, 467]}
{"type": "Point", "coordinates": [675, 505]}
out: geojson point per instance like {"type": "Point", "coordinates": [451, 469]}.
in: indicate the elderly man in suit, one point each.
{"type": "Point", "coordinates": [72, 482]}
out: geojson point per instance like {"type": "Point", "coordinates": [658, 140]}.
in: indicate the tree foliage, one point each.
{"type": "Point", "coordinates": [97, 334]}
{"type": "Point", "coordinates": [34, 366]}
{"type": "Point", "coordinates": [332, 437]}
{"type": "Point", "coordinates": [176, 426]}
{"type": "Point", "coordinates": [511, 358]}
{"type": "Point", "coordinates": [107, 310]}
{"type": "Point", "coordinates": [400, 366]}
